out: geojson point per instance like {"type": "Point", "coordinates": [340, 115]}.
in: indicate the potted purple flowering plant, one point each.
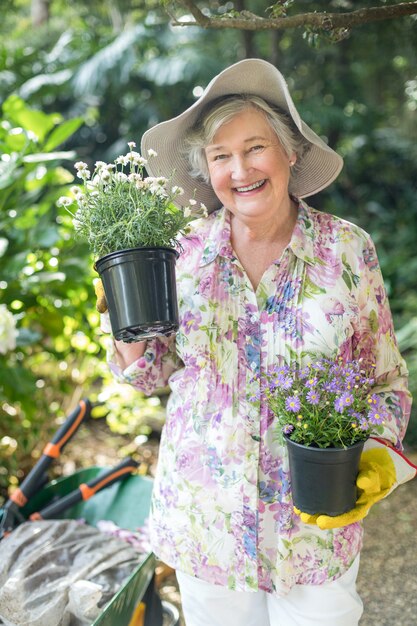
{"type": "Point", "coordinates": [324, 413]}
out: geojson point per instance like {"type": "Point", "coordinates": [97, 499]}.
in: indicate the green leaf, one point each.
{"type": "Point", "coordinates": [46, 277]}
{"type": "Point", "coordinates": [16, 141]}
{"type": "Point", "coordinates": [17, 381]}
{"type": "Point", "coordinates": [39, 81]}
{"type": "Point", "coordinates": [14, 266]}
{"type": "Point", "coordinates": [9, 173]}
{"type": "Point", "coordinates": [62, 132]}
{"type": "Point", "coordinates": [4, 244]}
{"type": "Point", "coordinates": [12, 106]}
{"type": "Point", "coordinates": [373, 321]}
{"type": "Point", "coordinates": [99, 411]}
{"type": "Point", "coordinates": [42, 157]}
{"type": "Point", "coordinates": [35, 121]}
{"type": "Point", "coordinates": [347, 279]}
{"type": "Point", "coordinates": [310, 289]}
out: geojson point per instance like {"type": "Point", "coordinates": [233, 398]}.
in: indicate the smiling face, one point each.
{"type": "Point", "coordinates": [248, 167]}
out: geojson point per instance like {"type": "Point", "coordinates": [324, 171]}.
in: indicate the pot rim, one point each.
{"type": "Point", "coordinates": [328, 449]}
{"type": "Point", "coordinates": [125, 251]}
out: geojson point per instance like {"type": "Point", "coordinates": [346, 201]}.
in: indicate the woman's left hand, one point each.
{"type": "Point", "coordinates": [380, 470]}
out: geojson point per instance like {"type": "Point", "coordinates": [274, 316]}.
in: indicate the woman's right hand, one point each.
{"type": "Point", "coordinates": [128, 353]}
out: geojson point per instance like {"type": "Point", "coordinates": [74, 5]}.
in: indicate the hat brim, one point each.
{"type": "Point", "coordinates": [317, 167]}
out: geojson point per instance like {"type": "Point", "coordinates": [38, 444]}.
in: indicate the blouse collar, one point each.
{"type": "Point", "coordinates": [301, 243]}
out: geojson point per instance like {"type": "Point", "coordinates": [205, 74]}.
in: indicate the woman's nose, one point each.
{"type": "Point", "coordinates": [239, 167]}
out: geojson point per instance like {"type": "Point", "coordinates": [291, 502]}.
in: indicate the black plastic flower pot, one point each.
{"type": "Point", "coordinates": [323, 480]}
{"type": "Point", "coordinates": [141, 292]}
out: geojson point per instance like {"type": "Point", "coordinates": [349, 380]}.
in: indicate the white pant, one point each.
{"type": "Point", "coordinates": [332, 604]}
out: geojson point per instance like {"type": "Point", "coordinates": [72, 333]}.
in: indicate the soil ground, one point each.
{"type": "Point", "coordinates": [387, 579]}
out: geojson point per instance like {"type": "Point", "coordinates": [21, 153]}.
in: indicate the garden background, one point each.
{"type": "Point", "coordinates": [78, 81]}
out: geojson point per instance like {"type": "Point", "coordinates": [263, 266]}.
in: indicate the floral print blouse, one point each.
{"type": "Point", "coordinates": [222, 507]}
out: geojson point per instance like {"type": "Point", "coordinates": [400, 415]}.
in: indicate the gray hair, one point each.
{"type": "Point", "coordinates": [222, 111]}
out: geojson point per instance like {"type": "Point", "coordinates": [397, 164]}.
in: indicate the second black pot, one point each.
{"type": "Point", "coordinates": [141, 293]}
{"type": "Point", "coordinates": [323, 480]}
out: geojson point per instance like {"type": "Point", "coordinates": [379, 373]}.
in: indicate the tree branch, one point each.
{"type": "Point", "coordinates": [322, 21]}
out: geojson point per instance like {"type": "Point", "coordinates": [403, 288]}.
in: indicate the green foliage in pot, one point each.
{"type": "Point", "coordinates": [118, 207]}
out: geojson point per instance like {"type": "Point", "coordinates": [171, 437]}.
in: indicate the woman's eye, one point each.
{"type": "Point", "coordinates": [257, 148]}
{"type": "Point", "coordinates": [219, 157]}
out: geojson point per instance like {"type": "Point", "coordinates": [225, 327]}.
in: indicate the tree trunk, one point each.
{"type": "Point", "coordinates": [275, 55]}
{"type": "Point", "coordinates": [39, 11]}
{"type": "Point", "coordinates": [247, 36]}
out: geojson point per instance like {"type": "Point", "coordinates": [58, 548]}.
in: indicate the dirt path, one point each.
{"type": "Point", "coordinates": [387, 579]}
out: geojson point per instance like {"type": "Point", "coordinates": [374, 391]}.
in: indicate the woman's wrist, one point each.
{"type": "Point", "coordinates": [128, 353]}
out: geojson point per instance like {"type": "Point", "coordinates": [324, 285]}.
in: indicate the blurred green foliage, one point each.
{"type": "Point", "coordinates": [44, 280]}
{"type": "Point", "coordinates": [46, 283]}
{"type": "Point", "coordinates": [95, 75]}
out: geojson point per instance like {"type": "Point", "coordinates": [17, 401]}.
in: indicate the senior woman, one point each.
{"type": "Point", "coordinates": [261, 281]}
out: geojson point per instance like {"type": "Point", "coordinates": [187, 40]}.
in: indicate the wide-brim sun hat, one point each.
{"type": "Point", "coordinates": [317, 166]}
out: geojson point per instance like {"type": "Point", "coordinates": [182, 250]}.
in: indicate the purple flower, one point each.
{"type": "Point", "coordinates": [311, 382]}
{"type": "Point", "coordinates": [350, 378]}
{"type": "Point", "coordinates": [376, 415]}
{"type": "Point", "coordinates": [363, 424]}
{"type": "Point", "coordinates": [267, 492]}
{"type": "Point", "coordinates": [287, 382]}
{"type": "Point", "coordinates": [304, 372]}
{"type": "Point", "coordinates": [282, 374]}
{"type": "Point", "coordinates": [292, 403]}
{"type": "Point", "coordinates": [313, 397]}
{"type": "Point", "coordinates": [332, 386]}
{"type": "Point", "coordinates": [346, 399]}
{"type": "Point", "coordinates": [279, 379]}
{"type": "Point", "coordinates": [191, 322]}
{"type": "Point", "coordinates": [281, 369]}
{"type": "Point", "coordinates": [287, 429]}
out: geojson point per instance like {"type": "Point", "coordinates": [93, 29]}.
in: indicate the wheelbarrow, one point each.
{"type": "Point", "coordinates": [124, 500]}
{"type": "Point", "coordinates": [126, 504]}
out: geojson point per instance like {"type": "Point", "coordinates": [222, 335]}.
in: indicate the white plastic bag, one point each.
{"type": "Point", "coordinates": [46, 568]}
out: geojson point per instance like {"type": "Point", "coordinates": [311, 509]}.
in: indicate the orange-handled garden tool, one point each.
{"type": "Point", "coordinates": [86, 490]}
{"type": "Point", "coordinates": [34, 480]}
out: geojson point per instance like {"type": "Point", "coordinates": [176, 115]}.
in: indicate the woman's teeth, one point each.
{"type": "Point", "coordinates": [251, 187]}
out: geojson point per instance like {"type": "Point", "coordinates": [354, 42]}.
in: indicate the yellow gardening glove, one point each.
{"type": "Point", "coordinates": [375, 479]}
{"type": "Point", "coordinates": [101, 304]}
